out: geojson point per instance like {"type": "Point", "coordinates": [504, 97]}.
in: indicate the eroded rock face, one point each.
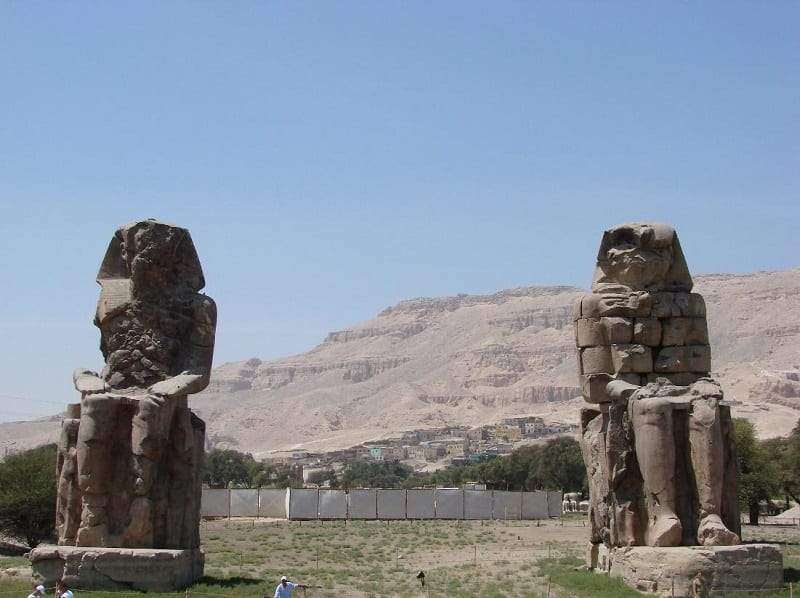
{"type": "Point", "coordinates": [130, 454]}
{"type": "Point", "coordinates": [657, 439]}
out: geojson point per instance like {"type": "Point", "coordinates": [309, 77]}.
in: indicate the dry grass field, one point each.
{"type": "Point", "coordinates": [361, 559]}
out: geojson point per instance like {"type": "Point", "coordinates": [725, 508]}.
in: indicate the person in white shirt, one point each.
{"type": "Point", "coordinates": [38, 592]}
{"type": "Point", "coordinates": [62, 591]}
{"type": "Point", "coordinates": [286, 587]}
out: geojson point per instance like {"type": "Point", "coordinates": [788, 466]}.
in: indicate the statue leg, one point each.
{"type": "Point", "coordinates": [655, 451]}
{"type": "Point", "coordinates": [150, 433]}
{"type": "Point", "coordinates": [94, 461]}
{"type": "Point", "coordinates": [707, 452]}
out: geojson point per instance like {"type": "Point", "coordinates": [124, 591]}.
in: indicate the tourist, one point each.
{"type": "Point", "coordinates": [285, 588]}
{"type": "Point", "coordinates": [63, 591]}
{"type": "Point", "coordinates": [38, 592]}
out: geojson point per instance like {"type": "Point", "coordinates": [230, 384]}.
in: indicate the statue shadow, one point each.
{"type": "Point", "coordinates": [229, 582]}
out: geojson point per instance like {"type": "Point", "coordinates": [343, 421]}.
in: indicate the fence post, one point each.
{"type": "Point", "coordinates": [548, 586]}
{"type": "Point", "coordinates": [476, 554]}
{"type": "Point", "coordinates": [673, 587]}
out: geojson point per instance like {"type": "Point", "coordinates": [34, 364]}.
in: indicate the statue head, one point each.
{"type": "Point", "coordinates": [155, 258]}
{"type": "Point", "coordinates": [641, 257]}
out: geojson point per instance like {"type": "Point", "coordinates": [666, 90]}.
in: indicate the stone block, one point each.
{"type": "Point", "coordinates": [596, 360]}
{"type": "Point", "coordinates": [697, 306]}
{"type": "Point", "coordinates": [691, 358]}
{"type": "Point", "coordinates": [628, 305]}
{"type": "Point", "coordinates": [688, 571]}
{"type": "Point", "coordinates": [684, 331]}
{"type": "Point", "coordinates": [589, 332]}
{"type": "Point", "coordinates": [632, 359]}
{"type": "Point", "coordinates": [142, 569]}
{"type": "Point", "coordinates": [618, 330]}
{"type": "Point", "coordinates": [647, 331]}
{"type": "Point", "coordinates": [670, 305]}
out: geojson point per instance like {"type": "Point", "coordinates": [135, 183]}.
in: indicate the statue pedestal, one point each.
{"type": "Point", "coordinates": [688, 571]}
{"type": "Point", "coordinates": [89, 568]}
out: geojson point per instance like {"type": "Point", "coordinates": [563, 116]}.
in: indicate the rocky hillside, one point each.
{"type": "Point", "coordinates": [475, 359]}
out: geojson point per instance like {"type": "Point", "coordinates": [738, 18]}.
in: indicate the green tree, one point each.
{"type": "Point", "coordinates": [224, 467]}
{"type": "Point", "coordinates": [28, 494]}
{"type": "Point", "coordinates": [387, 474]}
{"type": "Point", "coordinates": [758, 471]}
{"type": "Point", "coordinates": [790, 465]}
{"type": "Point", "coordinates": [561, 466]}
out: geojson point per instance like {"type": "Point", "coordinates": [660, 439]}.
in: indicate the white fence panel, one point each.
{"type": "Point", "coordinates": [391, 504]}
{"type": "Point", "coordinates": [534, 505]}
{"type": "Point", "coordinates": [449, 503]}
{"type": "Point", "coordinates": [272, 503]}
{"type": "Point", "coordinates": [332, 504]}
{"type": "Point", "coordinates": [244, 502]}
{"type": "Point", "coordinates": [362, 504]}
{"type": "Point", "coordinates": [215, 502]}
{"type": "Point", "coordinates": [554, 503]}
{"type": "Point", "coordinates": [477, 504]}
{"type": "Point", "coordinates": [506, 505]}
{"type": "Point", "coordinates": [420, 504]}
{"type": "Point", "coordinates": [303, 503]}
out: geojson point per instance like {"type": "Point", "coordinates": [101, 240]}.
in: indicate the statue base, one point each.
{"type": "Point", "coordinates": [89, 568]}
{"type": "Point", "coordinates": [689, 571]}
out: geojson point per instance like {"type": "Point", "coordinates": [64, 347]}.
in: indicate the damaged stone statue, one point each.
{"type": "Point", "coordinates": [657, 438]}
{"type": "Point", "coordinates": [130, 454]}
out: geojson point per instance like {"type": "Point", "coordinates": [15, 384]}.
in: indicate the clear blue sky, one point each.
{"type": "Point", "coordinates": [332, 159]}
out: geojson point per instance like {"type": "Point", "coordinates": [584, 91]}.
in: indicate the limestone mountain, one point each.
{"type": "Point", "coordinates": [471, 360]}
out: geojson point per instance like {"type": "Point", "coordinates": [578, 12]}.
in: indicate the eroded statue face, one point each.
{"type": "Point", "coordinates": [634, 260]}
{"type": "Point", "coordinates": [640, 257]}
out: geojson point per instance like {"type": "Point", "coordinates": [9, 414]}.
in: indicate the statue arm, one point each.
{"type": "Point", "coordinates": [619, 390]}
{"type": "Point", "coordinates": [199, 349]}
{"type": "Point", "coordinates": [88, 382]}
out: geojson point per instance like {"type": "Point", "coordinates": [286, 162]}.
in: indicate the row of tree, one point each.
{"type": "Point", "coordinates": [769, 470]}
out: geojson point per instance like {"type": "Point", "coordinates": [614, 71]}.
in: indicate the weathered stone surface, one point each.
{"type": "Point", "coordinates": [631, 359]}
{"type": "Point", "coordinates": [150, 570]}
{"type": "Point", "coordinates": [692, 358]}
{"type": "Point", "coordinates": [130, 455]}
{"type": "Point", "coordinates": [658, 447]}
{"type": "Point", "coordinates": [596, 360]}
{"type": "Point", "coordinates": [647, 331]}
{"type": "Point", "coordinates": [692, 571]}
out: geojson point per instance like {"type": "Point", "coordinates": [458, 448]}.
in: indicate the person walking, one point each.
{"type": "Point", "coordinates": [286, 587]}
{"type": "Point", "coordinates": [38, 591]}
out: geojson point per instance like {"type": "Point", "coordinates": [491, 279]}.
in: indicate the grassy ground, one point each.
{"type": "Point", "coordinates": [360, 559]}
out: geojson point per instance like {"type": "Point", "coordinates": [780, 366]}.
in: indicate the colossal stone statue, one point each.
{"type": "Point", "coordinates": [657, 437]}
{"type": "Point", "coordinates": [130, 454]}
{"type": "Point", "coordinates": [658, 441]}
